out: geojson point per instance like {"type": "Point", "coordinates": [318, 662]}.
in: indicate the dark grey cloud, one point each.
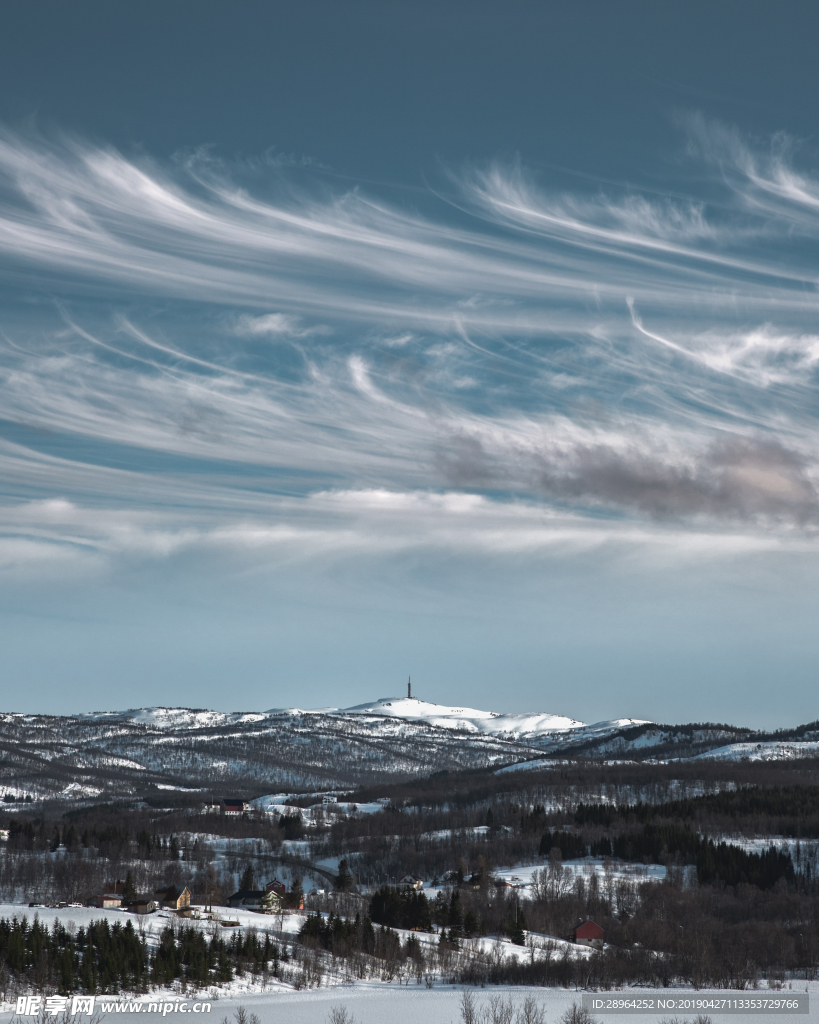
{"type": "Point", "coordinates": [734, 478]}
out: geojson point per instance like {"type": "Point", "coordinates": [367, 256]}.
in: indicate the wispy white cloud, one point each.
{"type": "Point", "coordinates": [59, 537]}
{"type": "Point", "coordinates": [643, 357]}
{"type": "Point", "coordinates": [277, 325]}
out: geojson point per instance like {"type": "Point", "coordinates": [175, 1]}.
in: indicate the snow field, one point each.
{"type": "Point", "coordinates": [381, 1003]}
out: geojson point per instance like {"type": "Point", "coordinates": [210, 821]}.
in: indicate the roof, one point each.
{"type": "Point", "coordinates": [589, 930]}
{"type": "Point", "coordinates": [171, 892]}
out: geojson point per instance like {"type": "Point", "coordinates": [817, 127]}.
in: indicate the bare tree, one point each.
{"type": "Point", "coordinates": [340, 1015]}
{"type": "Point", "coordinates": [501, 1011]}
{"type": "Point", "coordinates": [469, 1010]}
{"type": "Point", "coordinates": [577, 1014]}
{"type": "Point", "coordinates": [530, 1012]}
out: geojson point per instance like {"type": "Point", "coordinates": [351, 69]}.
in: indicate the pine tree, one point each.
{"type": "Point", "coordinates": [130, 889]}
{"type": "Point", "coordinates": [248, 882]}
{"type": "Point", "coordinates": [517, 934]}
{"type": "Point", "coordinates": [456, 921]}
{"type": "Point", "coordinates": [295, 897]}
{"type": "Point", "coordinates": [344, 880]}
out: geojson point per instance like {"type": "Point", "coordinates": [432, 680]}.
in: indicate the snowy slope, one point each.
{"type": "Point", "coordinates": [523, 727]}
{"type": "Point", "coordinates": [513, 726]}
{"type": "Point", "coordinates": [782, 750]}
{"type": "Point", "coordinates": [176, 718]}
{"type": "Point", "coordinates": [545, 731]}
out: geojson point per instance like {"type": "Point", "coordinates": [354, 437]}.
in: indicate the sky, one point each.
{"type": "Point", "coordinates": [472, 341]}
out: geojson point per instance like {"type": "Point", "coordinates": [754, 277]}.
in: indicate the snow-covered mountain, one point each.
{"type": "Point", "coordinates": [155, 753]}
{"type": "Point", "coordinates": [492, 723]}
{"type": "Point", "coordinates": [538, 727]}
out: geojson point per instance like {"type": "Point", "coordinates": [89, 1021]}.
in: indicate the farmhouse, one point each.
{"type": "Point", "coordinates": [411, 882]}
{"type": "Point", "coordinates": [256, 899]}
{"type": "Point", "coordinates": [276, 886]}
{"type": "Point", "coordinates": [111, 897]}
{"type": "Point", "coordinates": [141, 905]}
{"type": "Point", "coordinates": [234, 806]}
{"type": "Point", "coordinates": [173, 898]}
{"type": "Point", "coordinates": [588, 934]}
{"type": "Point", "coordinates": [107, 901]}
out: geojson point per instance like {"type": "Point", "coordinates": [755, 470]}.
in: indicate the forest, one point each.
{"type": "Point", "coordinates": [706, 877]}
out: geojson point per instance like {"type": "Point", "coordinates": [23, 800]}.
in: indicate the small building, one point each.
{"type": "Point", "coordinates": [107, 901]}
{"type": "Point", "coordinates": [588, 934]}
{"type": "Point", "coordinates": [141, 905]}
{"type": "Point", "coordinates": [255, 899]}
{"type": "Point", "coordinates": [411, 882]}
{"type": "Point", "coordinates": [173, 898]}
{"type": "Point", "coordinates": [234, 806]}
{"type": "Point", "coordinates": [276, 886]}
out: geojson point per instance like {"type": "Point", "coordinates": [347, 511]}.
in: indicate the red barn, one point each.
{"type": "Point", "coordinates": [589, 934]}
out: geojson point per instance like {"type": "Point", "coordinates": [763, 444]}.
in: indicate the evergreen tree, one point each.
{"type": "Point", "coordinates": [295, 897]}
{"type": "Point", "coordinates": [456, 920]}
{"type": "Point", "coordinates": [130, 889]}
{"type": "Point", "coordinates": [344, 879]}
{"type": "Point", "coordinates": [248, 881]}
{"type": "Point", "coordinates": [517, 924]}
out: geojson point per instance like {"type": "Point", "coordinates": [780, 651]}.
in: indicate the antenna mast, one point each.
{"type": "Point", "coordinates": [409, 687]}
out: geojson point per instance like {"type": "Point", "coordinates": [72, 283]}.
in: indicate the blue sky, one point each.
{"type": "Point", "coordinates": [472, 341]}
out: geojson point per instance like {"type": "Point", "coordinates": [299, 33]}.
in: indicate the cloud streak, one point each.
{"type": "Point", "coordinates": [204, 359]}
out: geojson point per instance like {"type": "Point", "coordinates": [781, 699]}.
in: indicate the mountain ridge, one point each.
{"type": "Point", "coordinates": [153, 753]}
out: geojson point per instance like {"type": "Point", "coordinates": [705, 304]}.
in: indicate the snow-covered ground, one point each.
{"type": "Point", "coordinates": [538, 764]}
{"type": "Point", "coordinates": [469, 719]}
{"type": "Point", "coordinates": [785, 750]}
{"type": "Point", "coordinates": [152, 924]}
{"type": "Point", "coordinates": [371, 1002]}
{"type": "Point", "coordinates": [178, 718]}
{"type": "Point", "coordinates": [525, 726]}
{"type": "Point", "coordinates": [381, 1003]}
{"type": "Point", "coordinates": [521, 726]}
{"type": "Point", "coordinates": [326, 806]}
{"type": "Point", "coordinates": [521, 877]}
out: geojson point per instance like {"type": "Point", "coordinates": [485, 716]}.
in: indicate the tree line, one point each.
{"type": "Point", "coordinates": [109, 959]}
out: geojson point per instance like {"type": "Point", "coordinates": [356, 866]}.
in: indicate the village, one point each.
{"type": "Point", "coordinates": [341, 897]}
{"type": "Point", "coordinates": [493, 877]}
